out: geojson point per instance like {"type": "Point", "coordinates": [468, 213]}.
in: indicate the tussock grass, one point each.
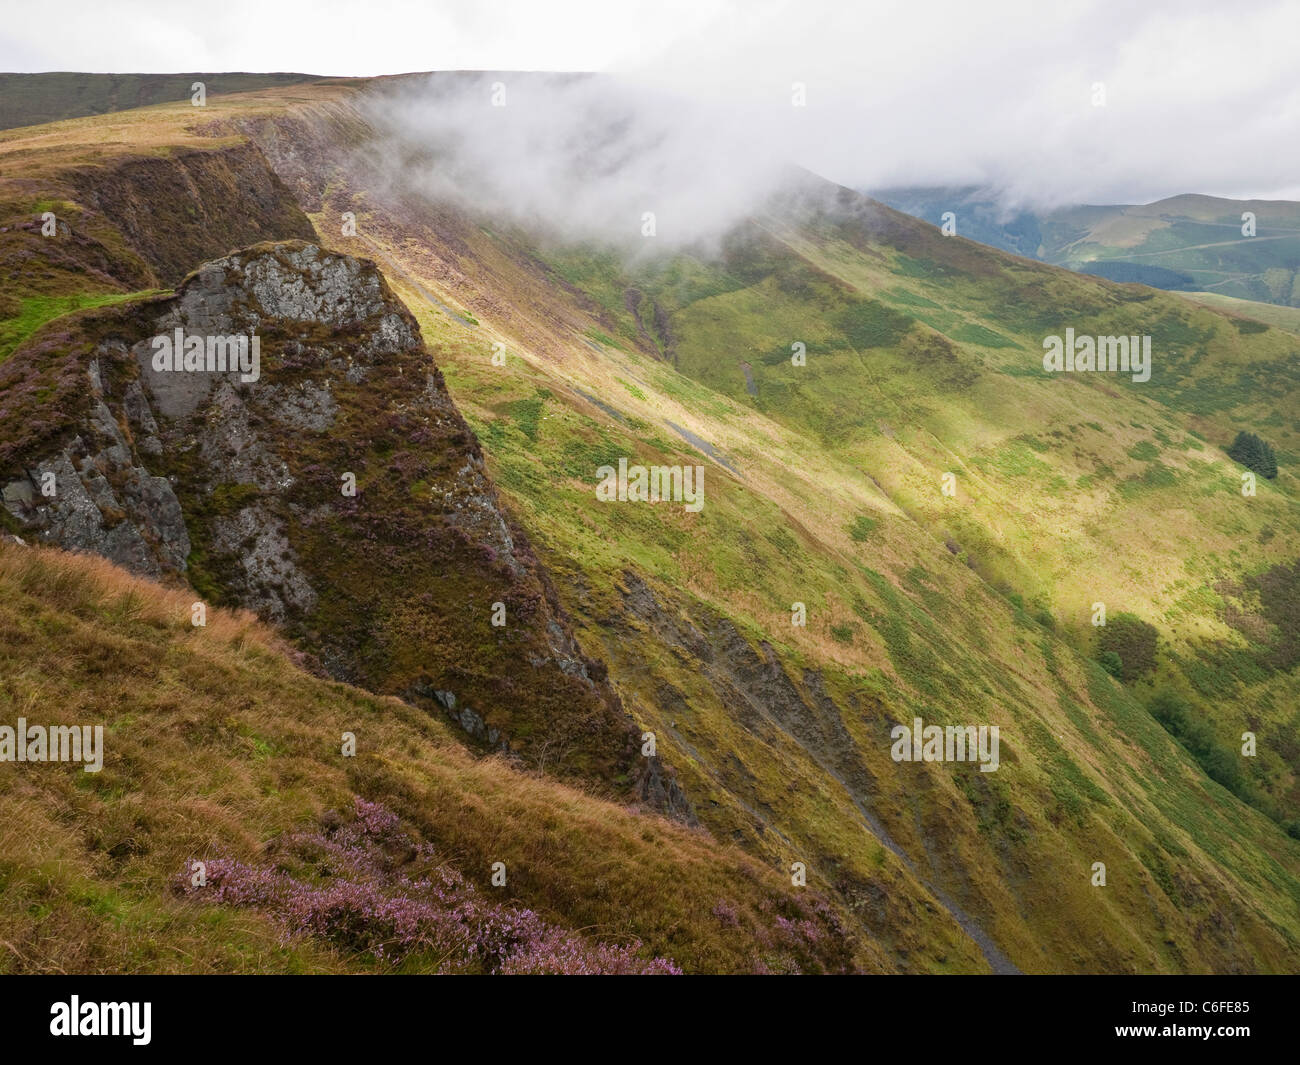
{"type": "Point", "coordinates": [217, 742]}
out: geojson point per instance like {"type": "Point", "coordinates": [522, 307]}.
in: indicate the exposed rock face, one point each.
{"type": "Point", "coordinates": [231, 432]}
{"type": "Point", "coordinates": [181, 209]}
{"type": "Point", "coordinates": [95, 495]}
{"type": "Point", "coordinates": [142, 222]}
{"type": "Point", "coordinates": [331, 485]}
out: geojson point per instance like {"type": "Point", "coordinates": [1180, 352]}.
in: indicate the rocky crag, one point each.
{"type": "Point", "coordinates": [331, 485]}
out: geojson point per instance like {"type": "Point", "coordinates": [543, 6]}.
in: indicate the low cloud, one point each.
{"type": "Point", "coordinates": [1098, 103]}
{"type": "Point", "coordinates": [575, 157]}
{"type": "Point", "coordinates": [694, 110]}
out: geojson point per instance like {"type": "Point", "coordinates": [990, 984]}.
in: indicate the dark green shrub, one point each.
{"type": "Point", "coordinates": [1220, 763]}
{"type": "Point", "coordinates": [1133, 641]}
{"type": "Point", "coordinates": [1111, 663]}
{"type": "Point", "coordinates": [1255, 454]}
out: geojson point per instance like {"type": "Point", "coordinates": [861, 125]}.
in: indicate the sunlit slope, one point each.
{"type": "Point", "coordinates": [897, 627]}
{"type": "Point", "coordinates": [781, 733]}
{"type": "Point", "coordinates": [924, 357]}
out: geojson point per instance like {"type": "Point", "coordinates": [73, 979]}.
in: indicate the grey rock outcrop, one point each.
{"type": "Point", "coordinates": [96, 495]}
{"type": "Point", "coordinates": [276, 435]}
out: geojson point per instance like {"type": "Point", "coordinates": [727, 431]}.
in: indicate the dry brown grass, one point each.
{"type": "Point", "coordinates": [31, 152]}
{"type": "Point", "coordinates": [216, 742]}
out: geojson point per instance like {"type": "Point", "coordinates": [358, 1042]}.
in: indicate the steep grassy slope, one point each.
{"type": "Point", "coordinates": [781, 732]}
{"type": "Point", "coordinates": [1286, 318]}
{"type": "Point", "coordinates": [823, 487]}
{"type": "Point", "coordinates": [219, 748]}
{"type": "Point", "coordinates": [782, 729]}
{"type": "Point", "coordinates": [929, 362]}
{"type": "Point", "coordinates": [1067, 474]}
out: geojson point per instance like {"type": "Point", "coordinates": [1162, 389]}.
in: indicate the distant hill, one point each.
{"type": "Point", "coordinates": [33, 99]}
{"type": "Point", "coordinates": [1183, 243]}
{"type": "Point", "coordinates": [980, 215]}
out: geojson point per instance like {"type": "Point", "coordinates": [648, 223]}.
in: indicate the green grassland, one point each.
{"type": "Point", "coordinates": [899, 624]}
{"type": "Point", "coordinates": [1286, 318]}
{"type": "Point", "coordinates": [33, 312]}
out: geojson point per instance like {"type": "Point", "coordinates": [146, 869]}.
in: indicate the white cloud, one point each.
{"type": "Point", "coordinates": [1199, 97]}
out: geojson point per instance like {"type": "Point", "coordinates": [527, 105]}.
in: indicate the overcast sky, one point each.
{"type": "Point", "coordinates": [1198, 97]}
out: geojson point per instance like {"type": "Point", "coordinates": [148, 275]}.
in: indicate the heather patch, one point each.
{"type": "Point", "coordinates": [367, 888]}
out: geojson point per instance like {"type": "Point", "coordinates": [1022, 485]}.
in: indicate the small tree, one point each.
{"type": "Point", "coordinates": [1254, 453]}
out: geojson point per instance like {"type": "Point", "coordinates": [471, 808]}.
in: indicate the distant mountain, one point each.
{"type": "Point", "coordinates": [1184, 243]}
{"type": "Point", "coordinates": [979, 215]}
